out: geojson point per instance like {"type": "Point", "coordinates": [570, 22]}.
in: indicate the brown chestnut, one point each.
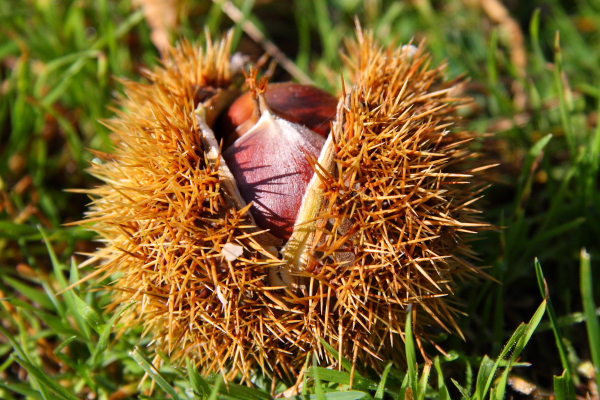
{"type": "Point", "coordinates": [301, 104]}
{"type": "Point", "coordinates": [271, 166]}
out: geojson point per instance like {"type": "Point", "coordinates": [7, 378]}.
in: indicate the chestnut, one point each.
{"type": "Point", "coordinates": [270, 163]}
{"type": "Point", "coordinates": [305, 105]}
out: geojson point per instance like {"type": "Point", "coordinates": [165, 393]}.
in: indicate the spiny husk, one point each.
{"type": "Point", "coordinates": [165, 217]}
{"type": "Point", "coordinates": [382, 229]}
{"type": "Point", "coordinates": [395, 204]}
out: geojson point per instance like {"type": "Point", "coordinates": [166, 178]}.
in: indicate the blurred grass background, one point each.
{"type": "Point", "coordinates": [533, 73]}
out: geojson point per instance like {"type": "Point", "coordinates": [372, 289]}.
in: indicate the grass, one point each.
{"type": "Point", "coordinates": [58, 64]}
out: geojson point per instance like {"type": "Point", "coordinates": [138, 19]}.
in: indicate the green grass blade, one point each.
{"type": "Point", "coordinates": [499, 391]}
{"type": "Point", "coordinates": [56, 264]}
{"type": "Point", "coordinates": [246, 11]}
{"type": "Point", "coordinates": [424, 381]}
{"type": "Point", "coordinates": [35, 296]}
{"type": "Point", "coordinates": [526, 179]}
{"type": "Point", "coordinates": [214, 394]}
{"type": "Point", "coordinates": [77, 308]}
{"type": "Point", "coordinates": [562, 351]}
{"type": "Point", "coordinates": [529, 330]}
{"type": "Point", "coordinates": [65, 81]}
{"type": "Point", "coordinates": [565, 105]}
{"type": "Point", "coordinates": [463, 391]}
{"type": "Point", "coordinates": [64, 344]}
{"type": "Point", "coordinates": [342, 377]}
{"type": "Point", "coordinates": [404, 388]}
{"type": "Point", "coordinates": [534, 31]}
{"type": "Point", "coordinates": [381, 387]}
{"type": "Point", "coordinates": [214, 17]}
{"type": "Point", "coordinates": [328, 35]}
{"type": "Point", "coordinates": [197, 382]}
{"type": "Point", "coordinates": [53, 322]}
{"type": "Point", "coordinates": [13, 342]}
{"type": "Point", "coordinates": [442, 388]}
{"type": "Point", "coordinates": [22, 355]}
{"type": "Point", "coordinates": [45, 380]}
{"type": "Point", "coordinates": [589, 309]}
{"type": "Point", "coordinates": [241, 392]}
{"type": "Point", "coordinates": [24, 390]}
{"type": "Point", "coordinates": [305, 377]}
{"type": "Point", "coordinates": [468, 376]}
{"type": "Point", "coordinates": [154, 374]}
{"type": "Point", "coordinates": [11, 230]}
{"type": "Point", "coordinates": [514, 347]}
{"type": "Point", "coordinates": [486, 368]}
{"type": "Point", "coordinates": [347, 364]}
{"type": "Point", "coordinates": [563, 387]}
{"type": "Point", "coordinates": [350, 395]}
{"type": "Point", "coordinates": [411, 354]}
{"type": "Point", "coordinates": [128, 23]}
{"type": "Point", "coordinates": [318, 384]}
{"type": "Point", "coordinates": [105, 331]}
{"type": "Point", "coordinates": [89, 314]}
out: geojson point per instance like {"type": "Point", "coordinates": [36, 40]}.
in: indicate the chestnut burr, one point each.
{"type": "Point", "coordinates": [372, 217]}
